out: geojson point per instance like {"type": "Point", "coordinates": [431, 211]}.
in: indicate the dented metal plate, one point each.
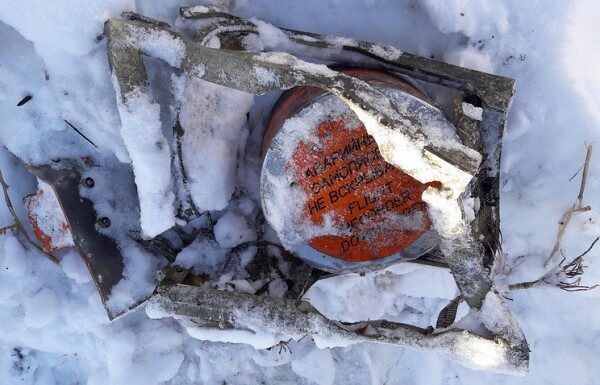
{"type": "Point", "coordinates": [99, 252]}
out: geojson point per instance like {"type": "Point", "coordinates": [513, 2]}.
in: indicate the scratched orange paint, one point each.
{"type": "Point", "coordinates": [359, 189]}
{"type": "Point", "coordinates": [361, 211]}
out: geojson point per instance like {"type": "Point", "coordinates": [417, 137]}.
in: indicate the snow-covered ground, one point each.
{"type": "Point", "coordinates": [53, 325]}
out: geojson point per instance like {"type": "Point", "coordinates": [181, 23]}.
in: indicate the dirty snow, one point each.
{"type": "Point", "coordinates": [54, 328]}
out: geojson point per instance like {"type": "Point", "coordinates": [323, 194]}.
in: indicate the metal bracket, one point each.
{"type": "Point", "coordinates": [99, 252]}
{"type": "Point", "coordinates": [466, 256]}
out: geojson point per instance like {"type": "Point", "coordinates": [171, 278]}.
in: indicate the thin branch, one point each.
{"type": "Point", "coordinates": [586, 168]}
{"type": "Point", "coordinates": [567, 277]}
{"type": "Point", "coordinates": [589, 248]}
{"type": "Point", "coordinates": [24, 100]}
{"type": "Point", "coordinates": [578, 288]}
{"type": "Point", "coordinates": [577, 207]}
{"type": "Point", "coordinates": [576, 172]}
{"type": "Point", "coordinates": [80, 133]}
{"type": "Point", "coordinates": [17, 226]}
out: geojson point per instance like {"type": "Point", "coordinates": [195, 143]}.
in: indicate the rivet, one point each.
{"type": "Point", "coordinates": [89, 182]}
{"type": "Point", "coordinates": [104, 222]}
{"type": "Point", "coordinates": [385, 121]}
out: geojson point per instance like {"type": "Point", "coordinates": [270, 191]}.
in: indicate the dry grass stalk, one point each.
{"type": "Point", "coordinates": [566, 277]}
{"type": "Point", "coordinates": [577, 207]}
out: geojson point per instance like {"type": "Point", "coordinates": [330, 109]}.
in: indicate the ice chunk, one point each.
{"type": "Point", "coordinates": [404, 292]}
{"type": "Point", "coordinates": [151, 158]}
{"type": "Point", "coordinates": [118, 353]}
{"type": "Point", "coordinates": [203, 256]}
{"type": "Point", "coordinates": [475, 113]}
{"type": "Point", "coordinates": [166, 366]}
{"type": "Point", "coordinates": [257, 339]}
{"type": "Point", "coordinates": [232, 230]}
{"type": "Point", "coordinates": [246, 206]}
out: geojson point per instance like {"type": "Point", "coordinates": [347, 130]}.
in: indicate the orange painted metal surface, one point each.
{"type": "Point", "coordinates": [49, 223]}
{"type": "Point", "coordinates": [376, 207]}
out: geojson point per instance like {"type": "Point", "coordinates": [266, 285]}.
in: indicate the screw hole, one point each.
{"type": "Point", "coordinates": [473, 100]}
{"type": "Point", "coordinates": [89, 182]}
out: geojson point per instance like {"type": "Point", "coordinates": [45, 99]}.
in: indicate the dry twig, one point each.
{"type": "Point", "coordinates": [577, 207]}
{"type": "Point", "coordinates": [17, 227]}
{"type": "Point", "coordinates": [566, 277]}
{"type": "Point", "coordinates": [4, 229]}
{"type": "Point", "coordinates": [80, 133]}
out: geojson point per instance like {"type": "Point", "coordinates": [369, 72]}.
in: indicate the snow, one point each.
{"type": "Point", "coordinates": [396, 293]}
{"type": "Point", "coordinates": [487, 17]}
{"type": "Point", "coordinates": [41, 309]}
{"type": "Point", "coordinates": [316, 367]}
{"type": "Point", "coordinates": [75, 268]}
{"type": "Point", "coordinates": [257, 340]}
{"type": "Point", "coordinates": [54, 325]}
{"type": "Point", "coordinates": [211, 139]}
{"type": "Point", "coordinates": [159, 44]}
{"type": "Point", "coordinates": [202, 256]}
{"type": "Point", "coordinates": [470, 111]}
{"type": "Point", "coordinates": [150, 156]}
{"type": "Point", "coordinates": [12, 264]}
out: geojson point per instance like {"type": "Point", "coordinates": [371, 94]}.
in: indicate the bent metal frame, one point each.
{"type": "Point", "coordinates": [469, 254]}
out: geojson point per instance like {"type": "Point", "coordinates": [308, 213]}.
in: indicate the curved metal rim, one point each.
{"type": "Point", "coordinates": [427, 242]}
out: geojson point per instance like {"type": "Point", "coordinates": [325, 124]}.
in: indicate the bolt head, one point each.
{"type": "Point", "coordinates": [104, 222]}
{"type": "Point", "coordinates": [89, 182]}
